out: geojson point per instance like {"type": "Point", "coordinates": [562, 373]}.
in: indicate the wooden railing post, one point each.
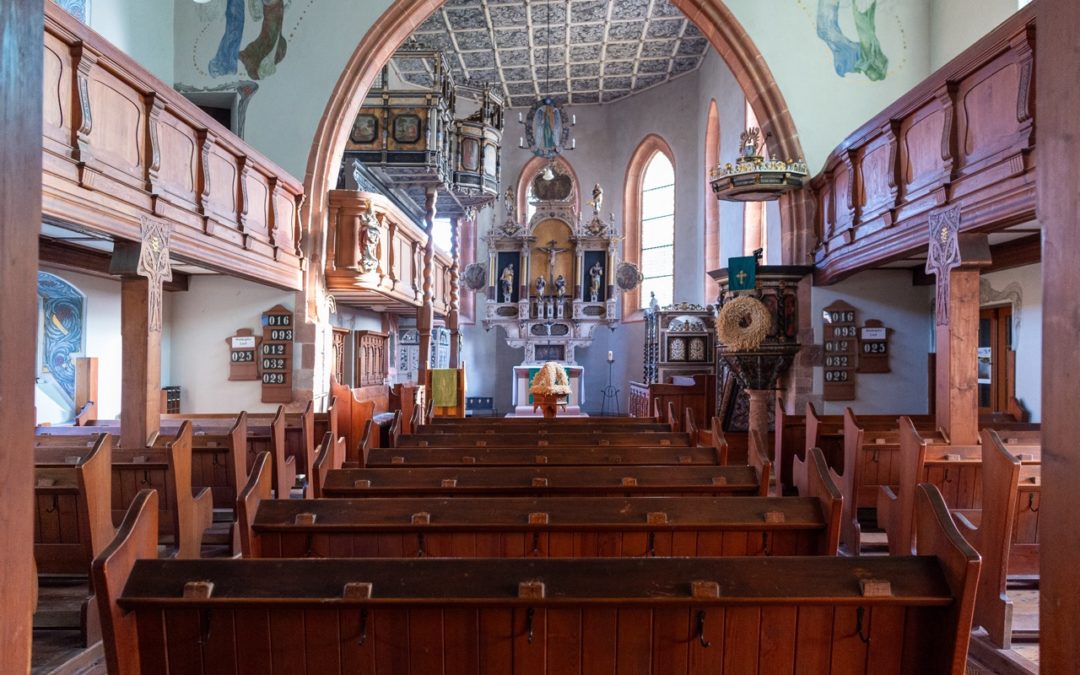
{"type": "Point", "coordinates": [453, 317]}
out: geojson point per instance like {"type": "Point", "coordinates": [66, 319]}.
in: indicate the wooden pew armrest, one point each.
{"type": "Point", "coordinates": [966, 527]}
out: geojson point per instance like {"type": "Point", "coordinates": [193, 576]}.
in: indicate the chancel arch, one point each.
{"type": "Point", "coordinates": [712, 17]}
{"type": "Point", "coordinates": [523, 188]}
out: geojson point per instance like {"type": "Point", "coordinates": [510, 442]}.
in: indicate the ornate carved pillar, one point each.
{"type": "Point", "coordinates": [453, 318]}
{"type": "Point", "coordinates": [955, 259]}
{"type": "Point", "coordinates": [425, 314]}
{"type": "Point", "coordinates": [143, 266]}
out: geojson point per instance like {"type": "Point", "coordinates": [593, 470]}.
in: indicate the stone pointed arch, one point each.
{"type": "Point", "coordinates": [712, 17]}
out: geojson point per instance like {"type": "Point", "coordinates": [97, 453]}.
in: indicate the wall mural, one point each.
{"type": "Point", "coordinates": [79, 9]}
{"type": "Point", "coordinates": [863, 55]}
{"type": "Point", "coordinates": [269, 26]}
{"type": "Point", "coordinates": [63, 315]}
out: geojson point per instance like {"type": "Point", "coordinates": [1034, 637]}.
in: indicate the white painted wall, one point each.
{"type": "Point", "coordinates": [143, 29]}
{"type": "Point", "coordinates": [956, 24]}
{"type": "Point", "coordinates": [1027, 332]}
{"type": "Point", "coordinates": [202, 318]}
{"type": "Point", "coordinates": [284, 113]}
{"type": "Point", "coordinates": [103, 341]}
{"type": "Point", "coordinates": [886, 295]}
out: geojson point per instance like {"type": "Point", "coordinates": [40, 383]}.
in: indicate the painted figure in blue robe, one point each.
{"type": "Point", "coordinates": [224, 62]}
{"type": "Point", "coordinates": [864, 56]}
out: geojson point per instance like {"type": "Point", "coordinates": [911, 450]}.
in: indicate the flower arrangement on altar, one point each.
{"type": "Point", "coordinates": [552, 380]}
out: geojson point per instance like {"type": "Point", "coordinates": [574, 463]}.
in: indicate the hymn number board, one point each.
{"type": "Point", "coordinates": [841, 351]}
{"type": "Point", "coordinates": [244, 355]}
{"type": "Point", "coordinates": [276, 355]}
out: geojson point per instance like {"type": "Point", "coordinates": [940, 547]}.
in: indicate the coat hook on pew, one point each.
{"type": "Point", "coordinates": [529, 613]}
{"type": "Point", "coordinates": [55, 505]}
{"type": "Point", "coordinates": [420, 553]}
{"type": "Point", "coordinates": [701, 629]}
{"type": "Point", "coordinates": [859, 625]}
{"type": "Point", "coordinates": [1030, 507]}
{"type": "Point", "coordinates": [204, 626]}
{"type": "Point", "coordinates": [363, 628]}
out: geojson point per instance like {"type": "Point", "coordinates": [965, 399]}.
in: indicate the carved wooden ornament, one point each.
{"type": "Point", "coordinates": [154, 264]}
{"type": "Point", "coordinates": [943, 255]}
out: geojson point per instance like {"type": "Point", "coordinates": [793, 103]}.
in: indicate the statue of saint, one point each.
{"type": "Point", "coordinates": [507, 278]}
{"type": "Point", "coordinates": [541, 285]}
{"type": "Point", "coordinates": [596, 276]}
{"type": "Point", "coordinates": [510, 204]}
{"type": "Point", "coordinates": [597, 199]}
{"type": "Point", "coordinates": [560, 287]}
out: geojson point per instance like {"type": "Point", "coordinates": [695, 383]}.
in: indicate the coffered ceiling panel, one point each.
{"type": "Point", "coordinates": [600, 50]}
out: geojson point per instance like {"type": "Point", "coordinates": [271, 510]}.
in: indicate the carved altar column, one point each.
{"type": "Point", "coordinates": [956, 259]}
{"type": "Point", "coordinates": [143, 266]}
{"type": "Point", "coordinates": [453, 317]}
{"type": "Point", "coordinates": [425, 314]}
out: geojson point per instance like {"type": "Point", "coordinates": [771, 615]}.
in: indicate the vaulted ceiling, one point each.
{"type": "Point", "coordinates": [608, 50]}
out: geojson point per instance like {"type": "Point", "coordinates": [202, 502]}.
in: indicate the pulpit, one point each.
{"type": "Point", "coordinates": [523, 400]}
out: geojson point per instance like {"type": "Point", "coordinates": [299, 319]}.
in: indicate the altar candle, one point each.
{"type": "Point", "coordinates": [611, 357]}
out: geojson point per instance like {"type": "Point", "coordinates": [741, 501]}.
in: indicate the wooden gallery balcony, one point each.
{"type": "Point", "coordinates": [375, 256]}
{"type": "Point", "coordinates": [965, 136]}
{"type": "Point", "coordinates": [121, 146]}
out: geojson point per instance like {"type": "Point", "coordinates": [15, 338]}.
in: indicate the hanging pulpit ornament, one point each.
{"type": "Point", "coordinates": [754, 177]}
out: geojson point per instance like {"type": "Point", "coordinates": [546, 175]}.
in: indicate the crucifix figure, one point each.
{"type": "Point", "coordinates": [552, 252]}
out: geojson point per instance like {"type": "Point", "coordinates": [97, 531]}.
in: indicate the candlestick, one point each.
{"type": "Point", "coordinates": [611, 357]}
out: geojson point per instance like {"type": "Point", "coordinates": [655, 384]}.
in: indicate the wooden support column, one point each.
{"type": "Point", "coordinates": [425, 313]}
{"type": "Point", "coordinates": [1058, 188]}
{"type": "Point", "coordinates": [956, 260]}
{"type": "Point", "coordinates": [143, 266]}
{"type": "Point", "coordinates": [20, 221]}
{"type": "Point", "coordinates": [453, 317]}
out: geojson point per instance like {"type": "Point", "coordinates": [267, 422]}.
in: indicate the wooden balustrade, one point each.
{"type": "Point", "coordinates": [121, 146]}
{"type": "Point", "coordinates": [375, 255]}
{"type": "Point", "coordinates": [964, 136]}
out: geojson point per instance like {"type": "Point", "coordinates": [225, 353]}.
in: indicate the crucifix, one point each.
{"type": "Point", "coordinates": [552, 252]}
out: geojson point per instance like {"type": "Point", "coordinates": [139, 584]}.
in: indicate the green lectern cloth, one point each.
{"type": "Point", "coordinates": [444, 389]}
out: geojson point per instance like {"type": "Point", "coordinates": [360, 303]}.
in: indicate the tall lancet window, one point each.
{"type": "Point", "coordinates": [658, 229]}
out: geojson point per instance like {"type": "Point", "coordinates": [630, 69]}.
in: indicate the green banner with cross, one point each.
{"type": "Point", "coordinates": [742, 273]}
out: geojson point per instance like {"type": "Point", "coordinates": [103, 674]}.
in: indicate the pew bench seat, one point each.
{"type": "Point", "coordinates": [553, 455]}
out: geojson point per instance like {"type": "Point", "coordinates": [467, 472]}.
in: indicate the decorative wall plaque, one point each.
{"type": "Point", "coordinates": [841, 355]}
{"type": "Point", "coordinates": [243, 355]}
{"type": "Point", "coordinates": [276, 355]}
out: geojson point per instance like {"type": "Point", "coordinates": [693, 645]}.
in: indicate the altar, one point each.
{"type": "Point", "coordinates": [523, 406]}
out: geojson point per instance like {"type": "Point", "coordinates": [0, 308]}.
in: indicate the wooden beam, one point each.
{"type": "Point", "coordinates": [1057, 181]}
{"type": "Point", "coordinates": [21, 45]}
{"type": "Point", "coordinates": [62, 255]}
{"type": "Point", "coordinates": [425, 313]}
{"type": "Point", "coordinates": [1015, 253]}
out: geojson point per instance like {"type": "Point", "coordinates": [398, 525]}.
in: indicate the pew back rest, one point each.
{"type": "Point", "coordinates": [938, 536]}
{"type": "Point", "coordinates": [135, 539]}
{"type": "Point", "coordinates": [258, 488]}
{"type": "Point", "coordinates": [896, 511]}
{"type": "Point", "coordinates": [331, 456]}
{"type": "Point", "coordinates": [820, 486]}
{"type": "Point", "coordinates": [192, 513]}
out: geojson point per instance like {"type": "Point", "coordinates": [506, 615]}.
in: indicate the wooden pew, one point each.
{"type": "Point", "coordinates": [501, 423]}
{"type": "Point", "coordinates": [569, 526]}
{"type": "Point", "coordinates": [541, 438]}
{"type": "Point", "coordinates": [671, 615]}
{"type": "Point", "coordinates": [554, 455]}
{"type": "Point", "coordinates": [875, 448]}
{"type": "Point", "coordinates": [993, 532]}
{"type": "Point", "coordinates": [73, 521]}
{"type": "Point", "coordinates": [521, 481]}
{"type": "Point", "coordinates": [328, 461]}
{"type": "Point", "coordinates": [896, 509]}
{"type": "Point", "coordinates": [72, 526]}
{"type": "Point", "coordinates": [185, 516]}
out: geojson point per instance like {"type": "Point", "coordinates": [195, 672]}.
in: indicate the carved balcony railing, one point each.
{"type": "Point", "coordinates": [964, 136]}
{"type": "Point", "coordinates": [121, 146]}
{"type": "Point", "coordinates": [375, 256]}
